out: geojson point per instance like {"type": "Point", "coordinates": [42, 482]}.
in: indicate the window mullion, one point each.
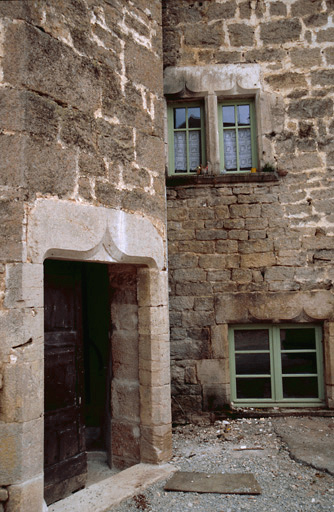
{"type": "Point", "coordinates": [278, 363]}
{"type": "Point", "coordinates": [237, 136]}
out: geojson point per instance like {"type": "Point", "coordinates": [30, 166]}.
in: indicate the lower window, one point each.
{"type": "Point", "coordinates": [276, 365]}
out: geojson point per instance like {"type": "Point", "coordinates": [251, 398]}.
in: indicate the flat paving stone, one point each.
{"type": "Point", "coordinates": [309, 440]}
{"type": "Point", "coordinates": [227, 483]}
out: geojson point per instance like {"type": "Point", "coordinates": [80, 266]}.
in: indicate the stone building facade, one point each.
{"type": "Point", "coordinates": [253, 249]}
{"type": "Point", "coordinates": [82, 180]}
{"type": "Point", "coordinates": [83, 136]}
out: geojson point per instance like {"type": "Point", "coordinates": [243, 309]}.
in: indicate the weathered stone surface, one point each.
{"type": "Point", "coordinates": [283, 31]}
{"type": "Point", "coordinates": [40, 62]}
{"type": "Point", "coordinates": [210, 36]}
{"type": "Point", "coordinates": [59, 168]}
{"type": "Point", "coordinates": [241, 35]}
{"type": "Point", "coordinates": [26, 496]}
{"type": "Point", "coordinates": [286, 80]}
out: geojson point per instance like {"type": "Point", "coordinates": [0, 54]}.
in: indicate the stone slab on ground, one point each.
{"type": "Point", "coordinates": [309, 440]}
{"type": "Point", "coordinates": [228, 483]}
{"type": "Point", "coordinates": [102, 496]}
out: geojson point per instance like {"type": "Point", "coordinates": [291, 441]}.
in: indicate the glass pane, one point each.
{"type": "Point", "coordinates": [251, 339]}
{"type": "Point", "coordinates": [300, 387]}
{"type": "Point", "coordinates": [194, 149]}
{"type": "Point", "coordinates": [180, 151]}
{"type": "Point", "coordinates": [230, 150]}
{"type": "Point", "coordinates": [299, 363]}
{"type": "Point", "coordinates": [252, 364]}
{"type": "Point", "coordinates": [228, 116]}
{"type": "Point", "coordinates": [179, 117]}
{"type": "Point", "coordinates": [300, 339]}
{"type": "Point", "coordinates": [243, 115]}
{"type": "Point", "coordinates": [245, 148]}
{"type": "Point", "coordinates": [254, 388]}
{"type": "Point", "coordinates": [194, 117]}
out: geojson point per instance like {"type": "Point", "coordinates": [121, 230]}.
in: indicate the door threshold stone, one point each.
{"type": "Point", "coordinates": [104, 495]}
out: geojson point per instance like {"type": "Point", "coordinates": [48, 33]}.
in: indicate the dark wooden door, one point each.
{"type": "Point", "coordinates": [65, 460]}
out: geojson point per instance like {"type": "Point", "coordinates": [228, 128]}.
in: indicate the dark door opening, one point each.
{"type": "Point", "coordinates": [77, 373]}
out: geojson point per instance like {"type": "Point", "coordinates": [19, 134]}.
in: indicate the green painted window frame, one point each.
{"type": "Point", "coordinates": [235, 128]}
{"type": "Point", "coordinates": [172, 130]}
{"type": "Point", "coordinates": [276, 374]}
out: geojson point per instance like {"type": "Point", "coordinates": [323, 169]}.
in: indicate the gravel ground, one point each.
{"type": "Point", "coordinates": [239, 446]}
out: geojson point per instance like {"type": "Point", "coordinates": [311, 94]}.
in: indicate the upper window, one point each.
{"type": "Point", "coordinates": [237, 136]}
{"type": "Point", "coordinates": [186, 137]}
{"type": "Point", "coordinates": [276, 365]}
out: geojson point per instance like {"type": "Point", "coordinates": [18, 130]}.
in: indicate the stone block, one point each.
{"type": "Point", "coordinates": [286, 80]}
{"type": "Point", "coordinates": [226, 246]}
{"type": "Point", "coordinates": [191, 275]}
{"type": "Point", "coordinates": [310, 108]}
{"type": "Point", "coordinates": [115, 142]}
{"type": "Point", "coordinates": [329, 53]}
{"type": "Point", "coordinates": [306, 57]}
{"type": "Point", "coordinates": [22, 390]}
{"type": "Point", "coordinates": [197, 318]}
{"type": "Point", "coordinates": [221, 11]}
{"type": "Point", "coordinates": [278, 9]}
{"type": "Point", "coordinates": [324, 77]}
{"type": "Point", "coordinates": [193, 289]}
{"type": "Point", "coordinates": [265, 55]}
{"type": "Point", "coordinates": [150, 152]}
{"type": "Point", "coordinates": [44, 64]}
{"type": "Point", "coordinates": [21, 451]}
{"type": "Point", "coordinates": [182, 261]}
{"type": "Point", "coordinates": [108, 195]}
{"type": "Point", "coordinates": [24, 285]}
{"type": "Point", "coordinates": [260, 259]}
{"type": "Point", "coordinates": [125, 400]}
{"type": "Point", "coordinates": [219, 275]}
{"type": "Point", "coordinates": [241, 34]}
{"type": "Point", "coordinates": [12, 149]}
{"type": "Point", "coordinates": [153, 320]}
{"type": "Point", "coordinates": [245, 10]}
{"type": "Point", "coordinates": [125, 444]}
{"type": "Point", "coordinates": [152, 288]}
{"type": "Point", "coordinates": [212, 261]}
{"type": "Point", "coordinates": [156, 376]}
{"type": "Point", "coordinates": [156, 444]}
{"type": "Point", "coordinates": [219, 341]}
{"type": "Point", "coordinates": [154, 348]}
{"type": "Point", "coordinates": [79, 129]}
{"type": "Point", "coordinates": [212, 234]}
{"type": "Point", "coordinates": [181, 303]}
{"type": "Point", "coordinates": [204, 36]}
{"type": "Point", "coordinates": [21, 330]}
{"type": "Point", "coordinates": [199, 247]}
{"type": "Point", "coordinates": [215, 397]}
{"type": "Point", "coordinates": [204, 304]}
{"type": "Point", "coordinates": [305, 7]}
{"type": "Point", "coordinates": [211, 371]}
{"type": "Point", "coordinates": [155, 405]}
{"type": "Point", "coordinates": [324, 36]}
{"type": "Point", "coordinates": [251, 246]}
{"type": "Point", "coordinates": [27, 496]}
{"type": "Point", "coordinates": [49, 169]}
{"type": "Point", "coordinates": [245, 210]}
{"type": "Point", "coordinates": [282, 31]}
{"type": "Point", "coordinates": [149, 73]}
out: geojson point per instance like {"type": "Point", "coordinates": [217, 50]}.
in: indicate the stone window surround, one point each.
{"type": "Point", "coordinates": [316, 307]}
{"type": "Point", "coordinates": [215, 83]}
{"type": "Point", "coordinates": [65, 230]}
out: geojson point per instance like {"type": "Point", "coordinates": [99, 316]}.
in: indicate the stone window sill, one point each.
{"type": "Point", "coordinates": [257, 177]}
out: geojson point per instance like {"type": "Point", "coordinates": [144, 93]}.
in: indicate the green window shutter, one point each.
{"type": "Point", "coordinates": [186, 137]}
{"type": "Point", "coordinates": [237, 136]}
{"type": "Point", "coordinates": [276, 365]}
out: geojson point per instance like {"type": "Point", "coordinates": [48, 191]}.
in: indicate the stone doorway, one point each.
{"type": "Point", "coordinates": [78, 372]}
{"type": "Point", "coordinates": [63, 230]}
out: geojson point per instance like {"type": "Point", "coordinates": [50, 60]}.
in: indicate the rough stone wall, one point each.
{"type": "Point", "coordinates": [231, 243]}
{"type": "Point", "coordinates": [80, 120]}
